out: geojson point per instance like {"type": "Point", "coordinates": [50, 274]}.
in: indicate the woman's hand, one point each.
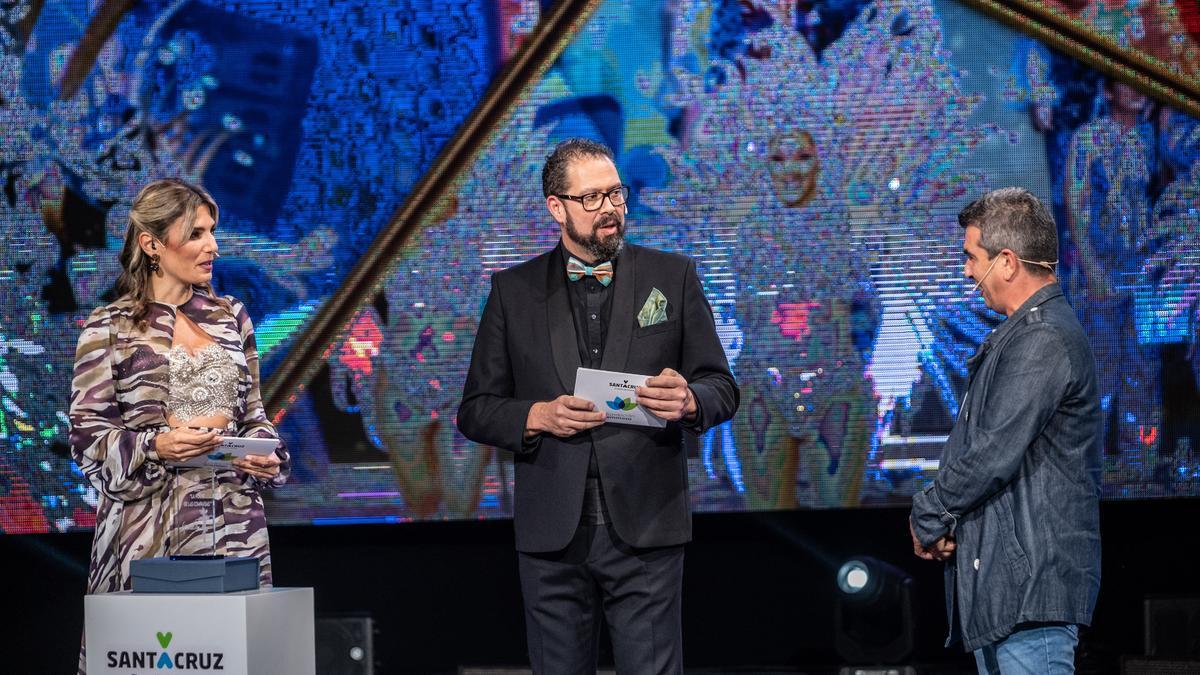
{"type": "Point", "coordinates": [181, 443]}
{"type": "Point", "coordinates": [264, 467]}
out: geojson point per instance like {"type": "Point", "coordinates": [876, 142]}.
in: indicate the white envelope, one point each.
{"type": "Point", "coordinates": [612, 393]}
{"type": "Point", "coordinates": [231, 448]}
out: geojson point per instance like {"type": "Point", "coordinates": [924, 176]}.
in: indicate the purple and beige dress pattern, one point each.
{"type": "Point", "coordinates": [126, 384]}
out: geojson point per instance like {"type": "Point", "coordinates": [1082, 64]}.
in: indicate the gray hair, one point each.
{"type": "Point", "coordinates": [554, 173]}
{"type": "Point", "coordinates": [1015, 219]}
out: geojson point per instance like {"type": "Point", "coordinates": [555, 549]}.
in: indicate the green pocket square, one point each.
{"type": "Point", "coordinates": [655, 309]}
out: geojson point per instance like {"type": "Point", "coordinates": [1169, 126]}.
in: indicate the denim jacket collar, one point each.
{"type": "Point", "coordinates": [1051, 290]}
{"type": "Point", "coordinates": [1042, 295]}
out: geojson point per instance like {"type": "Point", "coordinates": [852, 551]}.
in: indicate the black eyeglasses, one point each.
{"type": "Point", "coordinates": [592, 201]}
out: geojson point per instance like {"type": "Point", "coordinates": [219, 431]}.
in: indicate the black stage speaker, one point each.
{"type": "Point", "coordinates": [1172, 627]}
{"type": "Point", "coordinates": [345, 645]}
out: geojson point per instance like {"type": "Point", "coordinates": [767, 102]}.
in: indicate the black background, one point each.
{"type": "Point", "coordinates": [758, 588]}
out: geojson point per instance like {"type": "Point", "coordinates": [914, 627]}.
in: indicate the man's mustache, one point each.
{"type": "Point", "coordinates": [606, 220]}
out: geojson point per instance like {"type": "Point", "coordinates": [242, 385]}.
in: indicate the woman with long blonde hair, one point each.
{"type": "Point", "coordinates": [161, 374]}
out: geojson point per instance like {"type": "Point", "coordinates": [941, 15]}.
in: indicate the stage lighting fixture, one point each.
{"type": "Point", "coordinates": [854, 578]}
{"type": "Point", "coordinates": [345, 644]}
{"type": "Point", "coordinates": [873, 614]}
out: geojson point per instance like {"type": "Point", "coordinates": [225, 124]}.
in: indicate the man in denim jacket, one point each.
{"type": "Point", "coordinates": [1014, 510]}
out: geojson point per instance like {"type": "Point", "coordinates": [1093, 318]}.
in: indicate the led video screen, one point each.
{"type": "Point", "coordinates": [810, 156]}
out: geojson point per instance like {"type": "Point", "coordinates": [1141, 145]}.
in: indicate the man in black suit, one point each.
{"type": "Point", "coordinates": [601, 510]}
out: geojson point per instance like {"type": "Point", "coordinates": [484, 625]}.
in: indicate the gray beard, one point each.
{"type": "Point", "coordinates": [601, 250]}
{"type": "Point", "coordinates": [605, 250]}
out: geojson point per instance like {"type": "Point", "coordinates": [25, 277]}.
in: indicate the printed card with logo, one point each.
{"type": "Point", "coordinates": [231, 448]}
{"type": "Point", "coordinates": [613, 393]}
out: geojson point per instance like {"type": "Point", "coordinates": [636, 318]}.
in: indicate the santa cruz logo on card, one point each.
{"type": "Point", "coordinates": [167, 659]}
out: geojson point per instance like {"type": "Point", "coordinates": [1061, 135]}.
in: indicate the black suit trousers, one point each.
{"type": "Point", "coordinates": [637, 591]}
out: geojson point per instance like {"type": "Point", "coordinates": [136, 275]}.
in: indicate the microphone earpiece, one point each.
{"type": "Point", "coordinates": [985, 274]}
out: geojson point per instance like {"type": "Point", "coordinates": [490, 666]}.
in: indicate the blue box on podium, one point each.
{"type": "Point", "coordinates": [194, 574]}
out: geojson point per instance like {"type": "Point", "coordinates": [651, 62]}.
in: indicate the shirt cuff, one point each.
{"type": "Point", "coordinates": [531, 443]}
{"type": "Point", "coordinates": [931, 521]}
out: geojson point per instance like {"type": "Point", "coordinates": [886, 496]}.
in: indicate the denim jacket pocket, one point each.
{"type": "Point", "coordinates": [997, 572]}
{"type": "Point", "coordinates": [1017, 560]}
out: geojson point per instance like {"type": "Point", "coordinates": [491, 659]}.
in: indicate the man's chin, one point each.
{"type": "Point", "coordinates": [609, 247]}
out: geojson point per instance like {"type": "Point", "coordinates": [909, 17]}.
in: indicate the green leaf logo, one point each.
{"type": "Point", "coordinates": [619, 403]}
{"type": "Point", "coordinates": [164, 639]}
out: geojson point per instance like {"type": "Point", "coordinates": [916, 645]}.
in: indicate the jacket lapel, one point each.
{"type": "Point", "coordinates": [563, 343]}
{"type": "Point", "coordinates": [620, 321]}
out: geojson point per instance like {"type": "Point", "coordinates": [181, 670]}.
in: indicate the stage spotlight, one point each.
{"type": "Point", "coordinates": [854, 577]}
{"type": "Point", "coordinates": [873, 614]}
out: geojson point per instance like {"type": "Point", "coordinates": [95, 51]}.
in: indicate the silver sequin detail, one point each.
{"type": "Point", "coordinates": [202, 385]}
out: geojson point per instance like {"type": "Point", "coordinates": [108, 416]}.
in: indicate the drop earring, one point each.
{"type": "Point", "coordinates": [154, 263]}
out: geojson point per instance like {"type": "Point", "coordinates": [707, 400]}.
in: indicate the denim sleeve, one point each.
{"type": "Point", "coordinates": [1024, 391]}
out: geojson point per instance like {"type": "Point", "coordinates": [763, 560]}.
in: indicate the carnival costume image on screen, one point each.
{"type": "Point", "coordinates": [809, 157]}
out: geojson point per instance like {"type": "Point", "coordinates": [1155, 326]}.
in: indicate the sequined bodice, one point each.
{"type": "Point", "coordinates": [203, 384]}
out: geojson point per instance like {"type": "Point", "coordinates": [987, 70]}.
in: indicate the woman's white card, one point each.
{"type": "Point", "coordinates": [231, 448]}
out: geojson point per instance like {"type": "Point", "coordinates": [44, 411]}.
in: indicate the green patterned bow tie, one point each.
{"type": "Point", "coordinates": [576, 270]}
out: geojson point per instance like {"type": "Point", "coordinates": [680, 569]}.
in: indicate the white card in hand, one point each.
{"type": "Point", "coordinates": [231, 448]}
{"type": "Point", "coordinates": [613, 394]}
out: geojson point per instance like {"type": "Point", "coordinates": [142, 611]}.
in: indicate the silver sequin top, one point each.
{"type": "Point", "coordinates": [203, 384]}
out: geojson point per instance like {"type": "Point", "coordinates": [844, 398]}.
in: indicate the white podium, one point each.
{"type": "Point", "coordinates": [263, 632]}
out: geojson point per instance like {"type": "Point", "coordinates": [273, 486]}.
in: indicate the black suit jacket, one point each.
{"type": "Point", "coordinates": [526, 351]}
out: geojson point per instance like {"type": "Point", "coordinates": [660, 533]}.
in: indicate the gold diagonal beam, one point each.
{"type": "Point", "coordinates": [1147, 74]}
{"type": "Point", "coordinates": [538, 52]}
